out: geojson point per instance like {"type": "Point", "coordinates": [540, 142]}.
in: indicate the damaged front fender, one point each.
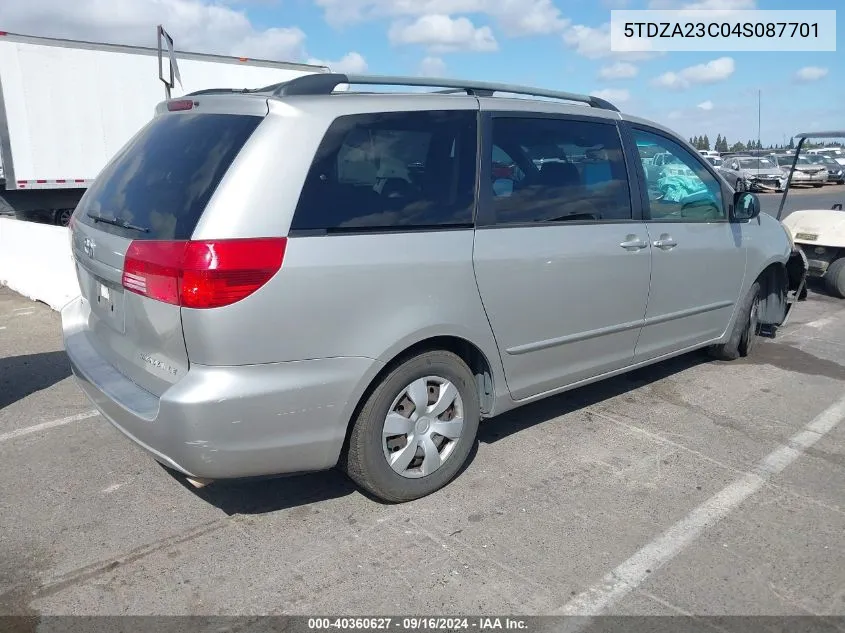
{"type": "Point", "coordinates": [797, 268]}
{"type": "Point", "coordinates": [781, 288]}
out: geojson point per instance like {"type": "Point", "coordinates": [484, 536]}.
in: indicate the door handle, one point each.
{"type": "Point", "coordinates": [665, 242]}
{"type": "Point", "coordinates": [633, 243]}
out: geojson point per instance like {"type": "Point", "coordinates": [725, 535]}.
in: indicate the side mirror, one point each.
{"type": "Point", "coordinates": [746, 206]}
{"type": "Point", "coordinates": [502, 187]}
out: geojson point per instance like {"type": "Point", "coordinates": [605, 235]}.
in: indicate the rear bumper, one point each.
{"type": "Point", "coordinates": [227, 422]}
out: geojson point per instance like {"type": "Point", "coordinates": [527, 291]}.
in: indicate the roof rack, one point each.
{"type": "Point", "coordinates": [326, 83]}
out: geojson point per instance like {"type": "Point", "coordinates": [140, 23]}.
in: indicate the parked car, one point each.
{"type": "Point", "coordinates": [806, 173]}
{"type": "Point", "coordinates": [248, 312]}
{"type": "Point", "coordinates": [753, 173]}
{"type": "Point", "coordinates": [835, 171]}
{"type": "Point", "coordinates": [836, 153]}
{"type": "Point", "coordinates": [716, 161]}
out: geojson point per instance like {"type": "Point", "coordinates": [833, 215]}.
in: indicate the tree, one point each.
{"type": "Point", "coordinates": [738, 147]}
{"type": "Point", "coordinates": [705, 143]}
{"type": "Point", "coordinates": [791, 144]}
{"type": "Point", "coordinates": [718, 143]}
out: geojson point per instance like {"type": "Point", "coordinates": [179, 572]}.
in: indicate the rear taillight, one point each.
{"type": "Point", "coordinates": [201, 274]}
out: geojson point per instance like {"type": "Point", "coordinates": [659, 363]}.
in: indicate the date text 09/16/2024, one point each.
{"type": "Point", "coordinates": [418, 624]}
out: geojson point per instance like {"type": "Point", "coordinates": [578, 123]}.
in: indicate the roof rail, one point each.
{"type": "Point", "coordinates": [326, 83]}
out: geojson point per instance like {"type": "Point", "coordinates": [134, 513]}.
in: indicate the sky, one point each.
{"type": "Point", "coordinates": [556, 44]}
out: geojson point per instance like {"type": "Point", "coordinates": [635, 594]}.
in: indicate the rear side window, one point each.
{"type": "Point", "coordinates": [163, 179]}
{"type": "Point", "coordinates": [392, 171]}
{"type": "Point", "coordinates": [553, 170]}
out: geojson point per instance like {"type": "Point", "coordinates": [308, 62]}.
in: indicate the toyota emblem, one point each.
{"type": "Point", "coordinates": [88, 246]}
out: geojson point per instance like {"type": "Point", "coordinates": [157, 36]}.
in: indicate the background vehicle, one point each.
{"type": "Point", "coordinates": [835, 171]}
{"type": "Point", "coordinates": [820, 233]}
{"type": "Point", "coordinates": [836, 153]}
{"type": "Point", "coordinates": [716, 161]}
{"type": "Point", "coordinates": [57, 135]}
{"type": "Point", "coordinates": [753, 173]}
{"type": "Point", "coordinates": [804, 172]}
{"type": "Point", "coordinates": [367, 299]}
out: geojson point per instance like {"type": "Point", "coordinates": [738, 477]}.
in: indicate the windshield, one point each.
{"type": "Point", "coordinates": [754, 163]}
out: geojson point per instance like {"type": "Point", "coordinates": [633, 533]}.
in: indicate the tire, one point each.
{"type": "Point", "coordinates": [834, 278]}
{"type": "Point", "coordinates": [365, 458]}
{"type": "Point", "coordinates": [62, 217]}
{"type": "Point", "coordinates": [746, 327]}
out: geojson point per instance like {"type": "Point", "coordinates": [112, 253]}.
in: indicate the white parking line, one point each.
{"type": "Point", "coordinates": [820, 323]}
{"type": "Point", "coordinates": [47, 425]}
{"type": "Point", "coordinates": [630, 574]}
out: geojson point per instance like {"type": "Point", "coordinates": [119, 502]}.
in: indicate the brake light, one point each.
{"type": "Point", "coordinates": [180, 104]}
{"type": "Point", "coordinates": [201, 274]}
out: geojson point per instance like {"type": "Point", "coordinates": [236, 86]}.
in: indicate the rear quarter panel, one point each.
{"type": "Point", "coordinates": [366, 295]}
{"type": "Point", "coordinates": [350, 295]}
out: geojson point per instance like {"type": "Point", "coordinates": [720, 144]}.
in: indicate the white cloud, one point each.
{"type": "Point", "coordinates": [811, 73]}
{"type": "Point", "coordinates": [594, 43]}
{"type": "Point", "coordinates": [618, 70]}
{"type": "Point", "coordinates": [614, 95]}
{"type": "Point", "coordinates": [731, 5]}
{"type": "Point", "coordinates": [588, 41]}
{"type": "Point", "coordinates": [711, 72]}
{"type": "Point", "coordinates": [705, 105]}
{"type": "Point", "coordinates": [352, 63]}
{"type": "Point", "coordinates": [432, 67]}
{"type": "Point", "coordinates": [196, 25]}
{"type": "Point", "coordinates": [443, 34]}
{"type": "Point", "coordinates": [514, 17]}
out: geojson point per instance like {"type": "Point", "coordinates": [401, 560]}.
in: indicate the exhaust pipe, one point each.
{"type": "Point", "coordinates": [199, 482]}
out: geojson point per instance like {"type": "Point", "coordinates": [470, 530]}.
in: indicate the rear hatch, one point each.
{"type": "Point", "coordinates": [130, 238]}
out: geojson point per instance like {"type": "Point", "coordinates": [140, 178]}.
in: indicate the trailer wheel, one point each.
{"type": "Point", "coordinates": [834, 278]}
{"type": "Point", "coordinates": [63, 216]}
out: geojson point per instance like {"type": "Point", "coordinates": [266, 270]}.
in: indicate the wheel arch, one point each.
{"type": "Point", "coordinates": [774, 285]}
{"type": "Point", "coordinates": [486, 374]}
{"type": "Point", "coordinates": [470, 352]}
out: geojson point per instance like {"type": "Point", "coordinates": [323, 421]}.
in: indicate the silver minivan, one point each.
{"type": "Point", "coordinates": [294, 278]}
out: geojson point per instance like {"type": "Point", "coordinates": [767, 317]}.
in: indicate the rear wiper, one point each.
{"type": "Point", "coordinates": [121, 223]}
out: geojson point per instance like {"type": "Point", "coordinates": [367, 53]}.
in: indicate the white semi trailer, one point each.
{"type": "Point", "coordinates": [66, 107]}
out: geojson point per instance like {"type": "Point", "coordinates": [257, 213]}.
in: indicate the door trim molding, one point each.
{"type": "Point", "coordinates": [681, 314]}
{"type": "Point", "coordinates": [573, 338]}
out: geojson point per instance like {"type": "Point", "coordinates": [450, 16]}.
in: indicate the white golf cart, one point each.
{"type": "Point", "coordinates": [819, 233]}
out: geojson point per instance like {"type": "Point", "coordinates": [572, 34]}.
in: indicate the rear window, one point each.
{"type": "Point", "coordinates": [163, 179]}
{"type": "Point", "coordinates": [392, 171]}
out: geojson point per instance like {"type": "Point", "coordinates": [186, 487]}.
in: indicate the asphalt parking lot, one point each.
{"type": "Point", "coordinates": [803, 197]}
{"type": "Point", "coordinates": [691, 487]}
